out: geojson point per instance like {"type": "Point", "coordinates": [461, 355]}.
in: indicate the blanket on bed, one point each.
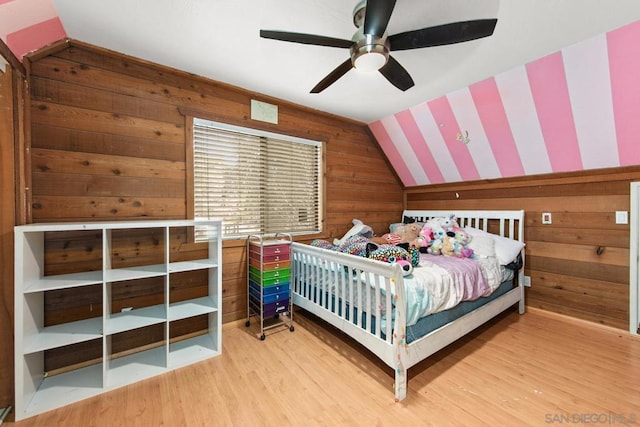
{"type": "Point", "coordinates": [440, 283]}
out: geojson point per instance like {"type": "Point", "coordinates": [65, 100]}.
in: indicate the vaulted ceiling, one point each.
{"type": "Point", "coordinates": [220, 39]}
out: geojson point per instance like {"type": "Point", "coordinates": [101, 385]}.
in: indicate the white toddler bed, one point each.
{"type": "Point", "coordinates": [356, 294]}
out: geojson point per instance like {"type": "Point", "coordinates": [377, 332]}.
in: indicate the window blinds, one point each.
{"type": "Point", "coordinates": [257, 182]}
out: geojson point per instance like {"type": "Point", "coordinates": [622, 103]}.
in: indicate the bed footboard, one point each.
{"type": "Point", "coordinates": [362, 297]}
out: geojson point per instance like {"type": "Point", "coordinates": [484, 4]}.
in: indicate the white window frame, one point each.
{"type": "Point", "coordinates": [232, 229]}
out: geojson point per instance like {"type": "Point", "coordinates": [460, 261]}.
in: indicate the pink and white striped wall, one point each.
{"type": "Point", "coordinates": [572, 110]}
{"type": "Point", "coordinates": [27, 25]}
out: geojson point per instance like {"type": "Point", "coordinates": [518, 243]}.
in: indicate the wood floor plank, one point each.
{"type": "Point", "coordinates": [535, 369]}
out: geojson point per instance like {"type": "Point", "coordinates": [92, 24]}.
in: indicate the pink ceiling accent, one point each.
{"type": "Point", "coordinates": [27, 25]}
{"type": "Point", "coordinates": [408, 124]}
{"type": "Point", "coordinates": [624, 63]}
{"type": "Point", "coordinates": [446, 119]}
{"type": "Point", "coordinates": [381, 133]}
{"type": "Point", "coordinates": [572, 110]}
{"type": "Point", "coordinates": [35, 36]}
{"type": "Point", "coordinates": [486, 98]}
{"type": "Point", "coordinates": [548, 84]}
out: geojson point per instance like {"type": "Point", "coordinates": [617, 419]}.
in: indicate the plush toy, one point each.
{"type": "Point", "coordinates": [448, 246]}
{"type": "Point", "coordinates": [320, 243]}
{"type": "Point", "coordinates": [358, 228]}
{"type": "Point", "coordinates": [391, 254]}
{"type": "Point", "coordinates": [354, 245]}
{"type": "Point", "coordinates": [435, 248]}
{"type": "Point", "coordinates": [407, 233]}
{"type": "Point", "coordinates": [425, 237]}
{"type": "Point", "coordinates": [360, 245]}
{"type": "Point", "coordinates": [448, 238]}
{"type": "Point", "coordinates": [445, 223]}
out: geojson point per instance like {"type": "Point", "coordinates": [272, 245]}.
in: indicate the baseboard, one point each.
{"type": "Point", "coordinates": [579, 322]}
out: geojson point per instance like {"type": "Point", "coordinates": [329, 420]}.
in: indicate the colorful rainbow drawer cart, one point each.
{"type": "Point", "coordinates": [268, 281]}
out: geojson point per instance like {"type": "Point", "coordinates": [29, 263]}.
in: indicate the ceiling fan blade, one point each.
{"type": "Point", "coordinates": [331, 78]}
{"type": "Point", "coordinates": [397, 75]}
{"type": "Point", "coordinates": [305, 38]}
{"type": "Point", "coordinates": [377, 16]}
{"type": "Point", "coordinates": [455, 32]}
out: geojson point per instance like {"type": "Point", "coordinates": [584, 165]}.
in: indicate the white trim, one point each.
{"type": "Point", "coordinates": [634, 294]}
{"type": "Point", "coordinates": [255, 132]}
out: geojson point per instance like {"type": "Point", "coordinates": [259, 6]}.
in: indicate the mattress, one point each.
{"type": "Point", "coordinates": [423, 325]}
{"type": "Point", "coordinates": [430, 323]}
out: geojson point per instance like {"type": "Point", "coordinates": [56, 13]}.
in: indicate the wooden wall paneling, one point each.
{"type": "Point", "coordinates": [76, 163]}
{"type": "Point", "coordinates": [63, 306]}
{"type": "Point", "coordinates": [136, 294]}
{"type": "Point", "coordinates": [115, 133]}
{"type": "Point", "coordinates": [47, 113]}
{"type": "Point", "coordinates": [234, 283]}
{"type": "Point", "coordinates": [72, 252]}
{"type": "Point", "coordinates": [579, 265]}
{"type": "Point", "coordinates": [83, 208]}
{"type": "Point", "coordinates": [43, 89]}
{"type": "Point", "coordinates": [64, 358]}
{"type": "Point", "coordinates": [73, 140]}
{"type": "Point", "coordinates": [8, 138]}
{"type": "Point", "coordinates": [63, 184]}
{"type": "Point", "coordinates": [188, 285]}
{"type": "Point", "coordinates": [133, 247]}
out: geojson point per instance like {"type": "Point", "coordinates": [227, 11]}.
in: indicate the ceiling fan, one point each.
{"type": "Point", "coordinates": [370, 45]}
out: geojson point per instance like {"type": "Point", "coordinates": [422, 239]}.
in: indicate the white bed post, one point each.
{"type": "Point", "coordinates": [400, 336]}
{"type": "Point", "coordinates": [521, 306]}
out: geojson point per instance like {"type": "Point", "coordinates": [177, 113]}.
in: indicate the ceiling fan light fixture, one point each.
{"type": "Point", "coordinates": [370, 53]}
{"type": "Point", "coordinates": [370, 61]}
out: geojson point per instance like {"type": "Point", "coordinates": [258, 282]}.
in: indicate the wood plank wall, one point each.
{"type": "Point", "coordinates": [579, 265]}
{"type": "Point", "coordinates": [10, 84]}
{"type": "Point", "coordinates": [108, 142]}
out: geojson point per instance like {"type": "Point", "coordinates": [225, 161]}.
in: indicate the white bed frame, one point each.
{"type": "Point", "coordinates": [326, 267]}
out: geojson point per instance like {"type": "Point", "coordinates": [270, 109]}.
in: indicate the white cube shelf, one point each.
{"type": "Point", "coordinates": [36, 390]}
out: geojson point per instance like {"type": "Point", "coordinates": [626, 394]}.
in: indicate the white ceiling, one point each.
{"type": "Point", "coordinates": [220, 39]}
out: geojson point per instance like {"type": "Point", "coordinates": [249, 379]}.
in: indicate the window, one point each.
{"type": "Point", "coordinates": [258, 182]}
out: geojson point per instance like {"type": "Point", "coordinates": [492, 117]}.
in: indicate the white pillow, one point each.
{"type": "Point", "coordinates": [507, 250]}
{"type": "Point", "coordinates": [483, 246]}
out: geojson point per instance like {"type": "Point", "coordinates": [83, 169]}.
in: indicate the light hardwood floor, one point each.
{"type": "Point", "coordinates": [536, 369]}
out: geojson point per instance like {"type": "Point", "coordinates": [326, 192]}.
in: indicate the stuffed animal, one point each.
{"type": "Point", "coordinates": [354, 245]}
{"type": "Point", "coordinates": [407, 233]}
{"type": "Point", "coordinates": [435, 248]}
{"type": "Point", "coordinates": [445, 223]}
{"type": "Point", "coordinates": [321, 243]}
{"type": "Point", "coordinates": [425, 237]}
{"type": "Point", "coordinates": [362, 246]}
{"type": "Point", "coordinates": [391, 254]}
{"type": "Point", "coordinates": [448, 246]}
{"type": "Point", "coordinates": [448, 238]}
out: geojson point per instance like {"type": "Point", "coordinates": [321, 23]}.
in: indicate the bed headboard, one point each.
{"type": "Point", "coordinates": [504, 223]}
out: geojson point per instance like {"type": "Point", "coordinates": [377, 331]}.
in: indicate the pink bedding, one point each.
{"type": "Point", "coordinates": [441, 282]}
